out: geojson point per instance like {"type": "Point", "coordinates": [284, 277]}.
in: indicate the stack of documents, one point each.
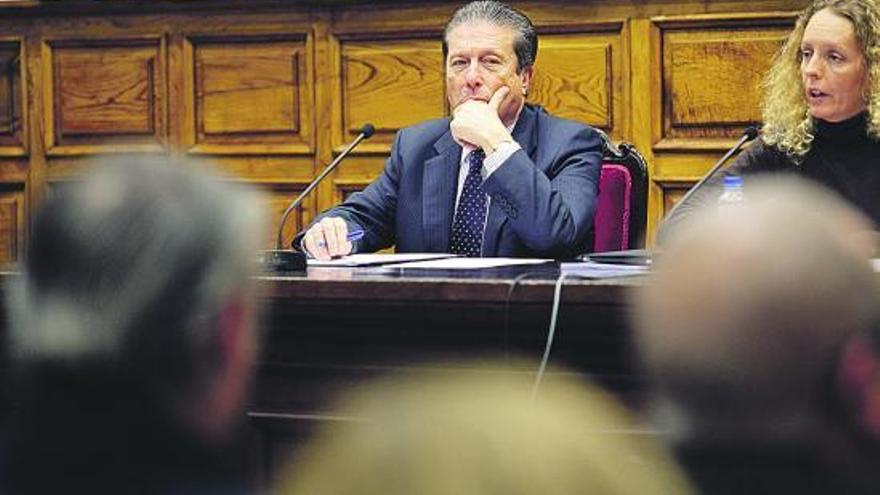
{"type": "Point", "coordinates": [445, 261]}
{"type": "Point", "coordinates": [458, 263]}
{"type": "Point", "coordinates": [591, 269]}
{"type": "Point", "coordinates": [425, 261]}
{"type": "Point", "coordinates": [354, 260]}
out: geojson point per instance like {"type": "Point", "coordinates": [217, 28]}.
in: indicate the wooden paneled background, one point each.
{"type": "Point", "coordinates": [270, 90]}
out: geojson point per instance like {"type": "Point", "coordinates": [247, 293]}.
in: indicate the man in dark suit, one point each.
{"type": "Point", "coordinates": [500, 178]}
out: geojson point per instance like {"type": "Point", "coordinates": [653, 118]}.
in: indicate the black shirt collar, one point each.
{"type": "Point", "coordinates": [852, 129]}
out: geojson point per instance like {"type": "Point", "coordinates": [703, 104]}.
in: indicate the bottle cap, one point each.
{"type": "Point", "coordinates": [732, 181]}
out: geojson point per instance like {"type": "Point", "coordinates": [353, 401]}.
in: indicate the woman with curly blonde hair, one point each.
{"type": "Point", "coordinates": [821, 108]}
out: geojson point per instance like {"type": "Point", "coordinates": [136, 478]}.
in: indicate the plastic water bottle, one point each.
{"type": "Point", "coordinates": [732, 194]}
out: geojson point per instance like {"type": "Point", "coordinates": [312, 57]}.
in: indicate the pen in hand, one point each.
{"type": "Point", "coordinates": [354, 235]}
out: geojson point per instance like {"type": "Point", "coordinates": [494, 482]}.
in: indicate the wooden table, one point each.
{"type": "Point", "coordinates": [333, 328]}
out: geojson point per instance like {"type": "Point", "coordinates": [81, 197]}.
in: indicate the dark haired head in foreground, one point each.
{"type": "Point", "coordinates": [132, 333]}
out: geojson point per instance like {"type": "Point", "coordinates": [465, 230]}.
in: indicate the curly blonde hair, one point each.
{"type": "Point", "coordinates": [788, 124]}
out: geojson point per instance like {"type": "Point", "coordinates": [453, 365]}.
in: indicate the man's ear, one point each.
{"type": "Point", "coordinates": [858, 385]}
{"type": "Point", "coordinates": [233, 327]}
{"type": "Point", "coordinates": [220, 405]}
{"type": "Point", "coordinates": [526, 78]}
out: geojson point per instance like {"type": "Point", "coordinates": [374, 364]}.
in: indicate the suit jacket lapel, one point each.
{"type": "Point", "coordinates": [439, 184]}
{"type": "Point", "coordinates": [524, 134]}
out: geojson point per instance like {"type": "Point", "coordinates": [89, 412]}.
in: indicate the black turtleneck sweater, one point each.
{"type": "Point", "coordinates": [842, 157]}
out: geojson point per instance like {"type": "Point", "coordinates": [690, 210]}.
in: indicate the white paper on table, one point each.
{"type": "Point", "coordinates": [459, 263]}
{"type": "Point", "coordinates": [592, 269]}
{"type": "Point", "coordinates": [355, 260]}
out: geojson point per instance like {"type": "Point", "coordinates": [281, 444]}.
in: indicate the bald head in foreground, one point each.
{"type": "Point", "coordinates": [480, 432]}
{"type": "Point", "coordinates": [741, 329]}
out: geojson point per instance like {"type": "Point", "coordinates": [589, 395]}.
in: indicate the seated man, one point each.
{"type": "Point", "coordinates": [500, 178]}
{"type": "Point", "coordinates": [132, 335]}
{"type": "Point", "coordinates": [741, 329]}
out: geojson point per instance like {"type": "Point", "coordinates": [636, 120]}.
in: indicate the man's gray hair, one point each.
{"type": "Point", "coordinates": [129, 269]}
{"type": "Point", "coordinates": [525, 45]}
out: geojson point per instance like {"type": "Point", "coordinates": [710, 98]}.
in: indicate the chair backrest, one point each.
{"type": "Point", "coordinates": [622, 208]}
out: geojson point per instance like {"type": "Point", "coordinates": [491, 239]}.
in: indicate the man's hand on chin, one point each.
{"type": "Point", "coordinates": [477, 123]}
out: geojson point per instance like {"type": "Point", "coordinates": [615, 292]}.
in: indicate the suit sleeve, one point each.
{"type": "Point", "coordinates": [372, 209]}
{"type": "Point", "coordinates": [551, 211]}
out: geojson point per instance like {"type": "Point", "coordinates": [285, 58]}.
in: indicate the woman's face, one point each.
{"type": "Point", "coordinates": [833, 68]}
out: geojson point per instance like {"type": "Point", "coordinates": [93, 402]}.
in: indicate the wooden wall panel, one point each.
{"type": "Point", "coordinates": [105, 95]}
{"type": "Point", "coordinates": [579, 75]}
{"type": "Point", "coordinates": [575, 82]}
{"type": "Point", "coordinates": [715, 82]}
{"type": "Point", "coordinates": [673, 193]}
{"type": "Point", "coordinates": [711, 79]}
{"type": "Point", "coordinates": [391, 82]}
{"type": "Point", "coordinates": [272, 75]}
{"type": "Point", "coordinates": [8, 63]}
{"type": "Point", "coordinates": [278, 197]}
{"type": "Point", "coordinates": [710, 69]}
{"type": "Point", "coordinates": [12, 223]}
{"type": "Point", "coordinates": [343, 188]}
{"type": "Point", "coordinates": [12, 109]}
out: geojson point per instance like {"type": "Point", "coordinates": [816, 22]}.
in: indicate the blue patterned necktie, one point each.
{"type": "Point", "coordinates": [470, 217]}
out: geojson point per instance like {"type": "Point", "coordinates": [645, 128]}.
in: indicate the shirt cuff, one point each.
{"type": "Point", "coordinates": [302, 248]}
{"type": "Point", "coordinates": [499, 156]}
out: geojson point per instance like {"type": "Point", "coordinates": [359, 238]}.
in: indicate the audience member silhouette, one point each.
{"type": "Point", "coordinates": [741, 328]}
{"type": "Point", "coordinates": [480, 433]}
{"type": "Point", "coordinates": [132, 334]}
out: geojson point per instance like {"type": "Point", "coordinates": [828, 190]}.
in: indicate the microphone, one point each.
{"type": "Point", "coordinates": [748, 135]}
{"type": "Point", "coordinates": [280, 259]}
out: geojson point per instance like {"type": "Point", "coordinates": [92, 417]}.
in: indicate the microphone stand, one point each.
{"type": "Point", "coordinates": [749, 134]}
{"type": "Point", "coordinates": [287, 260]}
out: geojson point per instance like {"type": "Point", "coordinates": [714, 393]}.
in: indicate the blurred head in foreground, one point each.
{"type": "Point", "coordinates": [747, 307]}
{"type": "Point", "coordinates": [747, 311]}
{"type": "Point", "coordinates": [135, 298]}
{"type": "Point", "coordinates": [480, 433]}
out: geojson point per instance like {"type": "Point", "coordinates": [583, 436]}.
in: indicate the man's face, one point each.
{"type": "Point", "coordinates": [480, 60]}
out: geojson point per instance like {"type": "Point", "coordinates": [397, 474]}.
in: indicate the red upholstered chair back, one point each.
{"type": "Point", "coordinates": [621, 212]}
